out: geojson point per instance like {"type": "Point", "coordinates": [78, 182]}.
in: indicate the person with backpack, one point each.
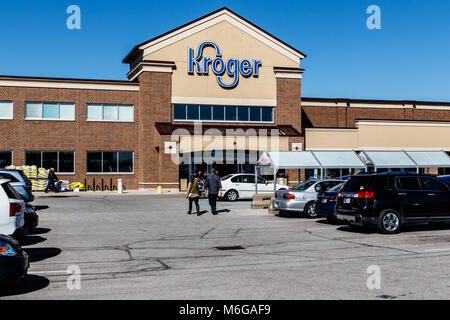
{"type": "Point", "coordinates": [193, 194]}
{"type": "Point", "coordinates": [214, 186]}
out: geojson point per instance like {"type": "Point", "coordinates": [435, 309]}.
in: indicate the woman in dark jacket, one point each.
{"type": "Point", "coordinates": [193, 194]}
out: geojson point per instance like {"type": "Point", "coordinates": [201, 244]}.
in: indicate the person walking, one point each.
{"type": "Point", "coordinates": [193, 194]}
{"type": "Point", "coordinates": [214, 186]}
{"type": "Point", "coordinates": [52, 179]}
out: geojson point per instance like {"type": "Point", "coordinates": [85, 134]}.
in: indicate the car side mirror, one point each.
{"type": "Point", "coordinates": [267, 182]}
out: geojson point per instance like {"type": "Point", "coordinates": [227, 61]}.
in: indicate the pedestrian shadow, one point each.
{"type": "Point", "coordinates": [223, 211]}
{"type": "Point", "coordinates": [202, 212]}
{"type": "Point", "coordinates": [40, 231]}
{"type": "Point", "coordinates": [39, 254]}
{"type": "Point", "coordinates": [29, 284]}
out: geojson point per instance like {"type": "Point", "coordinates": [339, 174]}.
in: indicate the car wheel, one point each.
{"type": "Point", "coordinates": [232, 195]}
{"type": "Point", "coordinates": [310, 210]}
{"type": "Point", "coordinates": [389, 222]}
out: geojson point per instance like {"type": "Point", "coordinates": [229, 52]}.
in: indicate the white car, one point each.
{"type": "Point", "coordinates": [242, 186]}
{"type": "Point", "coordinates": [12, 208]}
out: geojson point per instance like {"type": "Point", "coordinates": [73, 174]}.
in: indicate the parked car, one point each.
{"type": "Point", "coordinates": [14, 262]}
{"type": "Point", "coordinates": [393, 199]}
{"type": "Point", "coordinates": [302, 197]}
{"type": "Point", "coordinates": [326, 202]}
{"type": "Point", "coordinates": [12, 207]}
{"type": "Point", "coordinates": [31, 217]}
{"type": "Point", "coordinates": [242, 186]}
{"type": "Point", "coordinates": [445, 178]}
{"type": "Point", "coordinates": [19, 181]}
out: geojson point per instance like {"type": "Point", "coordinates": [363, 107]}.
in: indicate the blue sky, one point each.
{"type": "Point", "coordinates": [406, 59]}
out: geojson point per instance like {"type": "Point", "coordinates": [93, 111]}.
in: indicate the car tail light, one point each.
{"type": "Point", "coordinates": [288, 196]}
{"type": "Point", "coordinates": [338, 194]}
{"type": "Point", "coordinates": [14, 208]}
{"type": "Point", "coordinates": [364, 194]}
{"type": "Point", "coordinates": [27, 187]}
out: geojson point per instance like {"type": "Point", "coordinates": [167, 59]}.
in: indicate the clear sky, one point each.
{"type": "Point", "coordinates": [408, 58]}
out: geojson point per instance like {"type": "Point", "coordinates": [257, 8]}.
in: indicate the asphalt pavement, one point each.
{"type": "Point", "coordinates": [145, 246]}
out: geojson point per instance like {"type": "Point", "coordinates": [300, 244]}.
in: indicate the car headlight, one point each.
{"type": "Point", "coordinates": [7, 250]}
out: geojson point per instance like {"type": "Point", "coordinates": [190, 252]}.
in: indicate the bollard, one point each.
{"type": "Point", "coordinates": [119, 186]}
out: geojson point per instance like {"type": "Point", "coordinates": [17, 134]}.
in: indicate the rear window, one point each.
{"type": "Point", "coordinates": [24, 177]}
{"type": "Point", "coordinates": [380, 183]}
{"type": "Point", "coordinates": [8, 176]}
{"type": "Point", "coordinates": [336, 187]}
{"type": "Point", "coordinates": [304, 185]}
{"type": "Point", "coordinates": [10, 192]}
{"type": "Point", "coordinates": [356, 183]}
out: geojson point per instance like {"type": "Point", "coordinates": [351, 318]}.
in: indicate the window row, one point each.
{"type": "Point", "coordinates": [66, 111]}
{"type": "Point", "coordinates": [193, 112]}
{"type": "Point", "coordinates": [64, 161]}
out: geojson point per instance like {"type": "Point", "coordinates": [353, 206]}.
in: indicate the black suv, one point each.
{"type": "Point", "coordinates": [389, 200]}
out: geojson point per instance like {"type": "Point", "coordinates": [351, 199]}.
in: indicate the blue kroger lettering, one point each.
{"type": "Point", "coordinates": [233, 67]}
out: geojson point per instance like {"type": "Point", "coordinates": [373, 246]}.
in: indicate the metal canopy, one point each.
{"type": "Point", "coordinates": [311, 159]}
{"type": "Point", "coordinates": [389, 159]}
{"type": "Point", "coordinates": [338, 159]}
{"type": "Point", "coordinates": [289, 160]}
{"type": "Point", "coordinates": [408, 159]}
{"type": "Point", "coordinates": [430, 159]}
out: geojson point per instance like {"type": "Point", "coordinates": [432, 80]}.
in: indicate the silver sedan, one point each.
{"type": "Point", "coordinates": [301, 198]}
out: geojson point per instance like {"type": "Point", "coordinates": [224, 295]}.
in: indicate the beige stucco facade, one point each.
{"type": "Point", "coordinates": [233, 43]}
{"type": "Point", "coordinates": [382, 135]}
{"type": "Point", "coordinates": [250, 143]}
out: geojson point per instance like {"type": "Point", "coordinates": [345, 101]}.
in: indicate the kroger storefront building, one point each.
{"type": "Point", "coordinates": [215, 92]}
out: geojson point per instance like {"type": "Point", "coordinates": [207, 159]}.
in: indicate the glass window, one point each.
{"type": "Point", "coordinates": [94, 112]}
{"type": "Point", "coordinates": [34, 110]}
{"type": "Point", "coordinates": [192, 112]}
{"type": "Point", "coordinates": [5, 158]}
{"type": "Point", "coordinates": [50, 160]}
{"type": "Point", "coordinates": [205, 113]}
{"type": "Point", "coordinates": [408, 183]}
{"type": "Point", "coordinates": [94, 162]}
{"type": "Point", "coordinates": [110, 112]}
{"type": "Point", "coordinates": [125, 161]}
{"type": "Point", "coordinates": [248, 179]}
{"type": "Point", "coordinates": [62, 161]}
{"type": "Point", "coordinates": [255, 114]}
{"type": "Point", "coordinates": [126, 113]}
{"type": "Point", "coordinates": [67, 111]}
{"type": "Point", "coordinates": [66, 161]}
{"type": "Point", "coordinates": [6, 110]}
{"type": "Point", "coordinates": [432, 184]}
{"type": "Point", "coordinates": [243, 113]}
{"type": "Point", "coordinates": [304, 185]}
{"type": "Point", "coordinates": [267, 114]}
{"type": "Point", "coordinates": [230, 113]}
{"type": "Point", "coordinates": [380, 183]}
{"type": "Point", "coordinates": [33, 158]}
{"type": "Point", "coordinates": [219, 113]}
{"type": "Point", "coordinates": [179, 112]}
{"type": "Point", "coordinates": [50, 111]}
{"type": "Point", "coordinates": [109, 162]}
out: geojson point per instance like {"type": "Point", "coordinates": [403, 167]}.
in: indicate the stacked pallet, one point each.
{"type": "Point", "coordinates": [37, 176]}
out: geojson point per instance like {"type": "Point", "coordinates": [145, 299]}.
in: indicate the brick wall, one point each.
{"type": "Point", "coordinates": [80, 136]}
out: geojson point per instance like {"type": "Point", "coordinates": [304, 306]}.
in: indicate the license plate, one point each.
{"type": "Point", "coordinates": [347, 200]}
{"type": "Point", "coordinates": [324, 200]}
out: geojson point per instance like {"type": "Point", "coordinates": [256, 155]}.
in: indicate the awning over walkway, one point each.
{"type": "Point", "coordinates": [311, 159]}
{"type": "Point", "coordinates": [407, 159]}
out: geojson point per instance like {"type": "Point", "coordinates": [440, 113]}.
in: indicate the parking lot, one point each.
{"type": "Point", "coordinates": [143, 246]}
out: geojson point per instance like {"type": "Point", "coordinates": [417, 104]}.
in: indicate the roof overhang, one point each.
{"type": "Point", "coordinates": [223, 14]}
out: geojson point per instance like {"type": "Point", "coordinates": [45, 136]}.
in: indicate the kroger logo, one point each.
{"type": "Point", "coordinates": [233, 67]}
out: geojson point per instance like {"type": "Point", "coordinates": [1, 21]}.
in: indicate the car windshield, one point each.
{"type": "Point", "coordinates": [304, 185]}
{"type": "Point", "coordinates": [228, 176]}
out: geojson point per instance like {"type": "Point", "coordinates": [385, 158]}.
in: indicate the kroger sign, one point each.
{"type": "Point", "coordinates": [233, 67]}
